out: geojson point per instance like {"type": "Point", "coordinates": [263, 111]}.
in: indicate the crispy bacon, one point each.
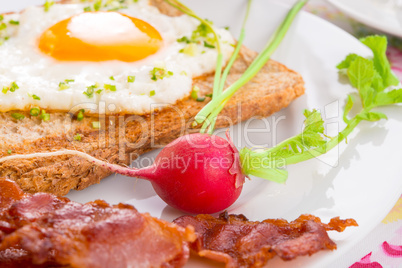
{"type": "Point", "coordinates": [43, 230]}
{"type": "Point", "coordinates": [234, 240]}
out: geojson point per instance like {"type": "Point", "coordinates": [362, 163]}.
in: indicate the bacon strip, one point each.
{"type": "Point", "coordinates": [43, 230]}
{"type": "Point", "coordinates": [234, 240]}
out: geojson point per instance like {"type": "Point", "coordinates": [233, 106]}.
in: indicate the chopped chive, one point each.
{"type": "Point", "coordinates": [14, 22]}
{"type": "Point", "coordinates": [209, 95]}
{"type": "Point", "coordinates": [152, 93]}
{"type": "Point", "coordinates": [14, 87]}
{"type": "Point", "coordinates": [99, 91]}
{"type": "Point", "coordinates": [34, 111]}
{"type": "Point", "coordinates": [90, 91]}
{"type": "Point", "coordinates": [63, 86]}
{"type": "Point", "coordinates": [111, 78]}
{"type": "Point", "coordinates": [227, 28]}
{"type": "Point", "coordinates": [48, 4]}
{"type": "Point", "coordinates": [77, 137]}
{"type": "Point", "coordinates": [190, 50]}
{"type": "Point", "coordinates": [200, 99]}
{"type": "Point", "coordinates": [18, 116]}
{"type": "Point", "coordinates": [69, 81]}
{"type": "Point", "coordinates": [159, 73]}
{"type": "Point", "coordinates": [9, 151]}
{"type": "Point", "coordinates": [194, 92]}
{"type": "Point", "coordinates": [44, 116]}
{"type": "Point", "coordinates": [35, 97]}
{"type": "Point", "coordinates": [131, 79]}
{"type": "Point", "coordinates": [3, 26]}
{"type": "Point", "coordinates": [80, 115]}
{"type": "Point", "coordinates": [95, 125]}
{"type": "Point", "coordinates": [109, 87]}
{"type": "Point", "coordinates": [87, 9]}
{"type": "Point", "coordinates": [1, 17]}
{"type": "Point", "coordinates": [5, 90]}
{"type": "Point", "coordinates": [208, 45]}
{"type": "Point", "coordinates": [184, 39]}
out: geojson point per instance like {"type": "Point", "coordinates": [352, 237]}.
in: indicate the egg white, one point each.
{"type": "Point", "coordinates": [40, 75]}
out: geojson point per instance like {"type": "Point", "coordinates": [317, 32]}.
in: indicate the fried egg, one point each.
{"type": "Point", "coordinates": [126, 54]}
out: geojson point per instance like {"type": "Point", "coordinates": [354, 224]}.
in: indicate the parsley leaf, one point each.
{"type": "Point", "coordinates": [378, 44]}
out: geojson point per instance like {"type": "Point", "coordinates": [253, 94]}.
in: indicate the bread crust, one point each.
{"type": "Point", "coordinates": [122, 138]}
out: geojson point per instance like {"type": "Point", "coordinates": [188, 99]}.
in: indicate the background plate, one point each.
{"type": "Point", "coordinates": [360, 180]}
{"type": "Point", "coordinates": [378, 14]}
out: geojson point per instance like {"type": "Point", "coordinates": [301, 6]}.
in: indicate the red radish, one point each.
{"type": "Point", "coordinates": [196, 173]}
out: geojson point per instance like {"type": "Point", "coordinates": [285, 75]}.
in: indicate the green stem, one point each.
{"type": "Point", "coordinates": [256, 65]}
{"type": "Point", "coordinates": [209, 122]}
{"type": "Point", "coordinates": [327, 147]}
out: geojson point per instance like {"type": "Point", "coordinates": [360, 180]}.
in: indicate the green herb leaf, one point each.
{"type": "Point", "coordinates": [348, 107]}
{"type": "Point", "coordinates": [14, 22]}
{"type": "Point", "coordinates": [390, 97]}
{"type": "Point", "coordinates": [152, 93]}
{"type": "Point", "coordinates": [361, 72]}
{"type": "Point", "coordinates": [347, 61]}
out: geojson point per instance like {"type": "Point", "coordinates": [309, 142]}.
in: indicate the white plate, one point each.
{"type": "Point", "coordinates": [378, 14]}
{"type": "Point", "coordinates": [365, 182]}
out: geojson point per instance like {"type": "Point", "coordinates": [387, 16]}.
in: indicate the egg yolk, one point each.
{"type": "Point", "coordinates": [100, 36]}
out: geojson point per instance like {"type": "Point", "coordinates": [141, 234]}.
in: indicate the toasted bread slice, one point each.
{"type": "Point", "coordinates": [122, 138]}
